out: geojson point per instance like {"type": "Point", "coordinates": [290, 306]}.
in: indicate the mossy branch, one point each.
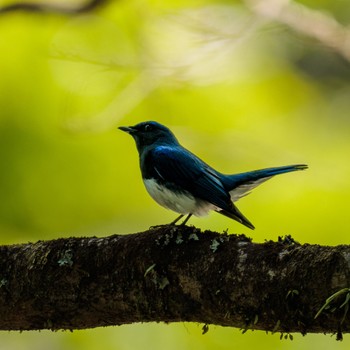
{"type": "Point", "coordinates": [174, 274]}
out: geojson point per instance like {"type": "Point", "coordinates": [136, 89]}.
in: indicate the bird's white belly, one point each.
{"type": "Point", "coordinates": [182, 203]}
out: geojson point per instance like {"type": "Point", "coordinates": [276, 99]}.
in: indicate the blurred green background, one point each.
{"type": "Point", "coordinates": [241, 91]}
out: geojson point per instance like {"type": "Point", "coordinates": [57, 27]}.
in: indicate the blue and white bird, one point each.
{"type": "Point", "coordinates": [178, 180]}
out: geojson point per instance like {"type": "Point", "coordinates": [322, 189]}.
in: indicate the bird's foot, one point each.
{"type": "Point", "coordinates": [161, 225]}
{"type": "Point", "coordinates": [173, 223]}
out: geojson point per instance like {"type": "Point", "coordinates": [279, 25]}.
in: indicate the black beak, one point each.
{"type": "Point", "coordinates": [128, 129]}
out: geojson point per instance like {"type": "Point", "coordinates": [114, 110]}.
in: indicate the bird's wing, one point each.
{"type": "Point", "coordinates": [184, 171]}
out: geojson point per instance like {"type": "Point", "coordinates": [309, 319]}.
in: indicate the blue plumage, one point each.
{"type": "Point", "coordinates": [178, 180]}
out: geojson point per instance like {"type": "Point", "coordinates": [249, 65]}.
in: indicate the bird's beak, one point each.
{"type": "Point", "coordinates": [128, 129]}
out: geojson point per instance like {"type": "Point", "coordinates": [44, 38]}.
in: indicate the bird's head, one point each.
{"type": "Point", "coordinates": [149, 133]}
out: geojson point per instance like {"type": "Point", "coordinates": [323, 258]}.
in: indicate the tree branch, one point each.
{"type": "Point", "coordinates": [174, 274]}
{"type": "Point", "coordinates": [52, 8]}
{"type": "Point", "coordinates": [312, 23]}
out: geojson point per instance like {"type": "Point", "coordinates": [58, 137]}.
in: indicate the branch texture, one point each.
{"type": "Point", "coordinates": [174, 274]}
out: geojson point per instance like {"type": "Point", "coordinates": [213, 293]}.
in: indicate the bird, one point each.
{"type": "Point", "coordinates": [180, 181]}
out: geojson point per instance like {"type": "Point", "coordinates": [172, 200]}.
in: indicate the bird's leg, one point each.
{"type": "Point", "coordinates": [171, 224]}
{"type": "Point", "coordinates": [176, 220]}
{"type": "Point", "coordinates": [187, 218]}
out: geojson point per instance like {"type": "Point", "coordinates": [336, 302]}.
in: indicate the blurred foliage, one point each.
{"type": "Point", "coordinates": [241, 92]}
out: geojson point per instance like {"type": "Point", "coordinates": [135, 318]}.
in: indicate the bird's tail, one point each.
{"type": "Point", "coordinates": [240, 185]}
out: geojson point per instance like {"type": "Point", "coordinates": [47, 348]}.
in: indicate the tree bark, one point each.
{"type": "Point", "coordinates": [174, 274]}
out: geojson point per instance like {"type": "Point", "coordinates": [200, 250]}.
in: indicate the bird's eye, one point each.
{"type": "Point", "coordinates": [148, 127]}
